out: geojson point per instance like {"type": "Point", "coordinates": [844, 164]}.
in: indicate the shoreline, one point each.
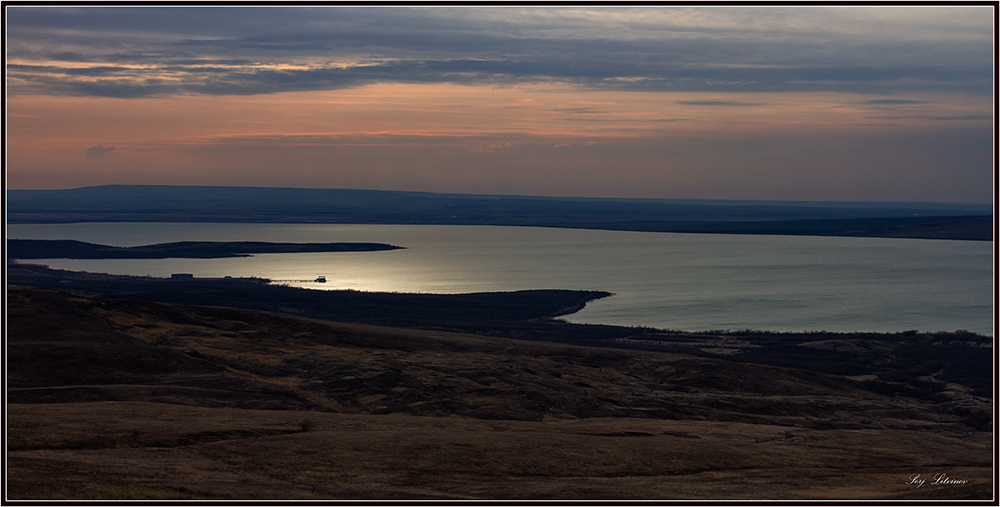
{"type": "Point", "coordinates": [42, 276]}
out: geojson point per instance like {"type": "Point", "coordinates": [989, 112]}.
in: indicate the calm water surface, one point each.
{"type": "Point", "coordinates": [672, 281]}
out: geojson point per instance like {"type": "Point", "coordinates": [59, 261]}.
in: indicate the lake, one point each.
{"type": "Point", "coordinates": [691, 282]}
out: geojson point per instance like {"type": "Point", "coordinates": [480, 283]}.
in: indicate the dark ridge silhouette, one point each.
{"type": "Point", "coordinates": [70, 249]}
{"type": "Point", "coordinates": [132, 203]}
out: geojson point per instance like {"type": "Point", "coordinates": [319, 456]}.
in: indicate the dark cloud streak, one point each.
{"type": "Point", "coordinates": [892, 102]}
{"type": "Point", "coordinates": [99, 151]}
{"type": "Point", "coordinates": [725, 103]}
{"type": "Point", "coordinates": [245, 51]}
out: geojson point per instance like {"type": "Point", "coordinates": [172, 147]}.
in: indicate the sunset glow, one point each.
{"type": "Point", "coordinates": [843, 103]}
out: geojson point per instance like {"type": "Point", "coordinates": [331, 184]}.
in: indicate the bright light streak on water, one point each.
{"type": "Point", "coordinates": [675, 281]}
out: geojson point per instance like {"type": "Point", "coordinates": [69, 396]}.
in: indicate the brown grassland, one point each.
{"type": "Point", "coordinates": [116, 399]}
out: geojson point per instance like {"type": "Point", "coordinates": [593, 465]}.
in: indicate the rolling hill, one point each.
{"type": "Point", "coordinates": [116, 399]}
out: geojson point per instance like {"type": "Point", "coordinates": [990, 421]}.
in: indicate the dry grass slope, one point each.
{"type": "Point", "coordinates": [128, 400]}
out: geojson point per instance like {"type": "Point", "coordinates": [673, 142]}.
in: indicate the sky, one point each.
{"type": "Point", "coordinates": [841, 103]}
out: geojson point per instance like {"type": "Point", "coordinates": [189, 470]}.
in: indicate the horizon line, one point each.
{"type": "Point", "coordinates": [531, 196]}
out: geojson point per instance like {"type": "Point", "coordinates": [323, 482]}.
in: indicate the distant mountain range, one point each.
{"type": "Point", "coordinates": [152, 203]}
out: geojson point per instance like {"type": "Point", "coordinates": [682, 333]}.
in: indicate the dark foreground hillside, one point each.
{"type": "Point", "coordinates": [118, 399]}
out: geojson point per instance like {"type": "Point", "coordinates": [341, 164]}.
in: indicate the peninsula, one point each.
{"type": "Point", "coordinates": [69, 249]}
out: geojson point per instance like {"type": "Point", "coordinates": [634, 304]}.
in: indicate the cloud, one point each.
{"type": "Point", "coordinates": [580, 110]}
{"type": "Point", "coordinates": [140, 52]}
{"type": "Point", "coordinates": [963, 118]}
{"type": "Point", "coordinates": [727, 103]}
{"type": "Point", "coordinates": [968, 117]}
{"type": "Point", "coordinates": [98, 151]}
{"type": "Point", "coordinates": [889, 102]}
{"type": "Point", "coordinates": [489, 147]}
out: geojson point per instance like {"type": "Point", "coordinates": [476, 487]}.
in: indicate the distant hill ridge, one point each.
{"type": "Point", "coordinates": [309, 205]}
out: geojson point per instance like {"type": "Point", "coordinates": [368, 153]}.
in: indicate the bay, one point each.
{"type": "Point", "coordinates": [691, 282]}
